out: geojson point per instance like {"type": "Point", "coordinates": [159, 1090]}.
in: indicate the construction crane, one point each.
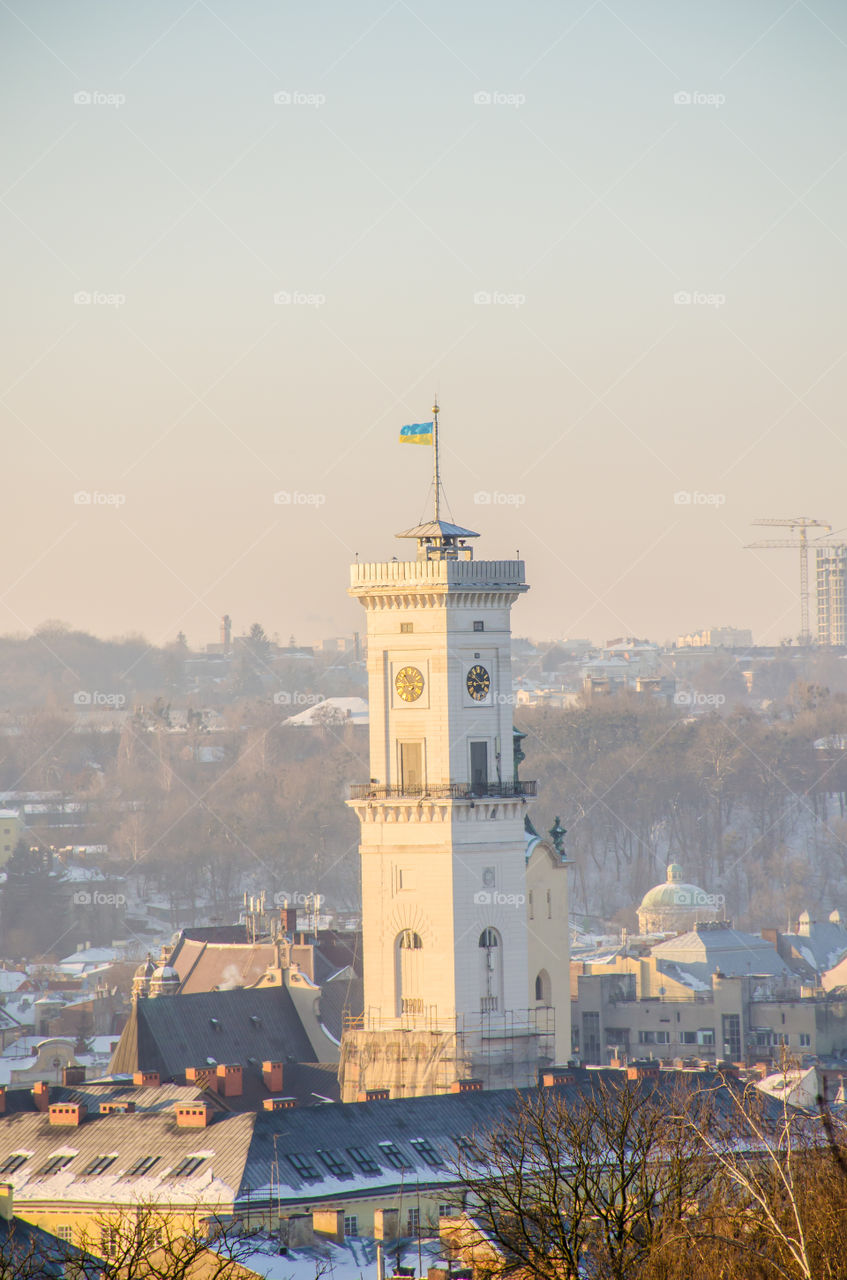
{"type": "Point", "coordinates": [801, 542]}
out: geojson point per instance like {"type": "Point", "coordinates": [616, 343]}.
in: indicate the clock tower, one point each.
{"type": "Point", "coordinates": [443, 839]}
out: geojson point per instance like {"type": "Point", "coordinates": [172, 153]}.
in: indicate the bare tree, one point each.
{"type": "Point", "coordinates": [600, 1181]}
{"type": "Point", "coordinates": [145, 1243]}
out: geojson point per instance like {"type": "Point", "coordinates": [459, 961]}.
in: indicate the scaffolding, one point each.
{"type": "Point", "coordinates": [427, 1055]}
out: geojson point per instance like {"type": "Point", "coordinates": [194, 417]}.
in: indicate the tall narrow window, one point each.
{"type": "Point", "coordinates": [409, 970]}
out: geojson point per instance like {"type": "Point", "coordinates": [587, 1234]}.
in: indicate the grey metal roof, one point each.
{"type": "Point", "coordinates": [246, 1026]}
{"type": "Point", "coordinates": [734, 953]}
{"type": "Point", "coordinates": [312, 1154]}
{"type": "Point", "coordinates": [221, 1146]}
{"type": "Point", "coordinates": [346, 1146]}
{"type": "Point", "coordinates": [437, 529]}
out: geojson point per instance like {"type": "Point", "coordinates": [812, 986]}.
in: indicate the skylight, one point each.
{"type": "Point", "coordinates": [144, 1165]}
{"type": "Point", "coordinates": [57, 1162]}
{"type": "Point", "coordinates": [334, 1163]}
{"type": "Point", "coordinates": [303, 1166]}
{"type": "Point", "coordinates": [394, 1155]}
{"type": "Point", "coordinates": [13, 1163]}
{"type": "Point", "coordinates": [188, 1166]}
{"type": "Point", "coordinates": [425, 1148]}
{"type": "Point", "coordinates": [362, 1161]}
{"type": "Point", "coordinates": [99, 1165]}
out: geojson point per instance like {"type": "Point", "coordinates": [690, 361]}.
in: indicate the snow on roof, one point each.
{"type": "Point", "coordinates": [11, 979]}
{"type": "Point", "coordinates": [355, 1258]}
{"type": "Point", "coordinates": [89, 957]}
{"type": "Point", "coordinates": [352, 710]}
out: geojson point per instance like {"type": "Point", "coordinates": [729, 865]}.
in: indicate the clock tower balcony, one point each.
{"type": "Point", "coordinates": [445, 791]}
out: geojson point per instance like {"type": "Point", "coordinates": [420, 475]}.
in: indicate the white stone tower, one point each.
{"type": "Point", "coordinates": [443, 846]}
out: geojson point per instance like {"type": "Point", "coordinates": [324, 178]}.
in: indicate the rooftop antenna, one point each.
{"type": "Point", "coordinates": [436, 479]}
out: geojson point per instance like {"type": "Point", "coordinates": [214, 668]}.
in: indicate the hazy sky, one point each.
{"type": "Point", "coordinates": [419, 155]}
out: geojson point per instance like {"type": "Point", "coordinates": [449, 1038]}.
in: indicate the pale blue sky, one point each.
{"type": "Point", "coordinates": [392, 194]}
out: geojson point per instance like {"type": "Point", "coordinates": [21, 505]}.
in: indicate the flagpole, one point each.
{"type": "Point", "coordinates": [436, 477]}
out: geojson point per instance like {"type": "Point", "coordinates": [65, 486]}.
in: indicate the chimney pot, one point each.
{"type": "Point", "coordinates": [466, 1086]}
{"type": "Point", "coordinates": [150, 1079]}
{"type": "Point", "coordinates": [230, 1080]}
{"type": "Point", "coordinates": [193, 1115]}
{"type": "Point", "coordinates": [67, 1113]}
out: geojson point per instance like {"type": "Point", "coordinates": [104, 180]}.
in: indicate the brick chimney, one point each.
{"type": "Point", "coordinates": [147, 1079]}
{"type": "Point", "coordinates": [373, 1095]}
{"type": "Point", "coordinates": [230, 1083]}
{"type": "Point", "coordinates": [279, 1104]}
{"type": "Point", "coordinates": [73, 1075]}
{"type": "Point", "coordinates": [203, 1077]}
{"type": "Point", "coordinates": [193, 1115]}
{"type": "Point", "coordinates": [642, 1072]}
{"type": "Point", "coordinates": [272, 1076]}
{"type": "Point", "coordinates": [466, 1086]}
{"type": "Point", "coordinates": [67, 1113]}
{"type": "Point", "coordinates": [552, 1077]}
{"type": "Point", "coordinates": [41, 1094]}
{"type": "Point", "coordinates": [116, 1105]}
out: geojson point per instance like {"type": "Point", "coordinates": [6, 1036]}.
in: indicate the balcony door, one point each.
{"type": "Point", "coordinates": [411, 767]}
{"type": "Point", "coordinates": [479, 767]}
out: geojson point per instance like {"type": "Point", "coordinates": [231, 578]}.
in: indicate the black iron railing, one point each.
{"type": "Point", "coordinates": [443, 791]}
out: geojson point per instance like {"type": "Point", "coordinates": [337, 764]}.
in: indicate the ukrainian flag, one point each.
{"type": "Point", "coordinates": [416, 433]}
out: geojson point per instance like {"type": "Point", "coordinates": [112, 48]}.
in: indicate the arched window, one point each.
{"type": "Point", "coordinates": [491, 972]}
{"type": "Point", "coordinates": [542, 987]}
{"type": "Point", "coordinates": [409, 973]}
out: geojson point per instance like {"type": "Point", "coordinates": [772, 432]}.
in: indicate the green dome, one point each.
{"type": "Point", "coordinates": [674, 894]}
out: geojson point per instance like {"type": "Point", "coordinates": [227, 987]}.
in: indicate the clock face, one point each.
{"type": "Point", "coordinates": [478, 683]}
{"type": "Point", "coordinates": [409, 683]}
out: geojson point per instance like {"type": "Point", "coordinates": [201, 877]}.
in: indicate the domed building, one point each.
{"type": "Point", "coordinates": [675, 907]}
{"type": "Point", "coordinates": [141, 980]}
{"type": "Point", "coordinates": [164, 981]}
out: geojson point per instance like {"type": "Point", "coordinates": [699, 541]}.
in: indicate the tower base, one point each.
{"type": "Point", "coordinates": [503, 1051]}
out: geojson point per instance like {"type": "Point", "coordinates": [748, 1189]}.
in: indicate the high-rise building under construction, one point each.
{"type": "Point", "coordinates": [831, 574]}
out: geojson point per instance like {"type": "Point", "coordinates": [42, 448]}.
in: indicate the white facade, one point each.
{"type": "Point", "coordinates": [442, 841]}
